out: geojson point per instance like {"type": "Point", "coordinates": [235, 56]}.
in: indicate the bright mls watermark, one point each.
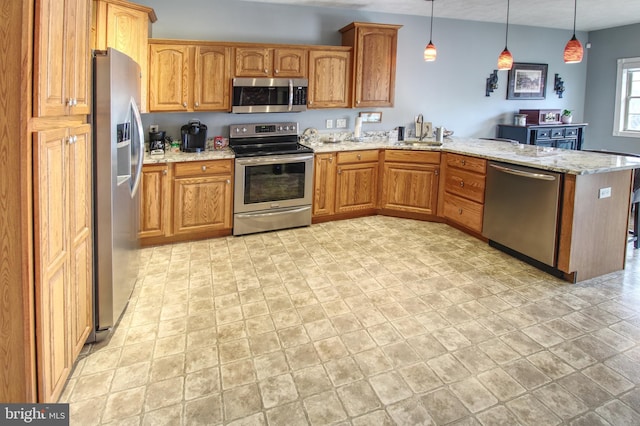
{"type": "Point", "coordinates": [34, 414]}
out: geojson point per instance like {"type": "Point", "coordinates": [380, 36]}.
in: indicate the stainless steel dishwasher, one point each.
{"type": "Point", "coordinates": [521, 210]}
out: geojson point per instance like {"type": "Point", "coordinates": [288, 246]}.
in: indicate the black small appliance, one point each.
{"type": "Point", "coordinates": [194, 137]}
{"type": "Point", "coordinates": [156, 141]}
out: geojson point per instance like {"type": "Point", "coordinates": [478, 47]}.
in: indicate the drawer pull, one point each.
{"type": "Point", "coordinates": [463, 162]}
{"type": "Point", "coordinates": [459, 211]}
{"type": "Point", "coordinates": [204, 168]}
{"type": "Point", "coordinates": [437, 172]}
{"type": "Point", "coordinates": [461, 184]}
{"type": "Point", "coordinates": [359, 157]}
{"type": "Point", "coordinates": [184, 104]}
{"type": "Point", "coordinates": [339, 171]}
{"type": "Point", "coordinates": [331, 159]}
{"type": "Point", "coordinates": [164, 172]}
{"type": "Point", "coordinates": [228, 181]}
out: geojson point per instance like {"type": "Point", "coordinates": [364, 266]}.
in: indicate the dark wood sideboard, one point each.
{"type": "Point", "coordinates": [567, 136]}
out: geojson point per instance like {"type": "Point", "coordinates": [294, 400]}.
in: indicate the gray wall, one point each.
{"type": "Point", "coordinates": [607, 46]}
{"type": "Point", "coordinates": [449, 92]}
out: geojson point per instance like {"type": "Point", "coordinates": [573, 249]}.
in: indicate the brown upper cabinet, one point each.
{"type": "Point", "coordinates": [259, 61]}
{"type": "Point", "coordinates": [329, 77]}
{"type": "Point", "coordinates": [62, 58]}
{"type": "Point", "coordinates": [374, 56]}
{"type": "Point", "coordinates": [126, 27]}
{"type": "Point", "coordinates": [188, 77]}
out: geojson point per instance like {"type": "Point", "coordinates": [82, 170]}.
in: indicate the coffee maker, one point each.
{"type": "Point", "coordinates": [194, 137]}
{"type": "Point", "coordinates": [156, 142]}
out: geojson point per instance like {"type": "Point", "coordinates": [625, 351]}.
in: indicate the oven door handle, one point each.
{"type": "Point", "coordinates": [290, 94]}
{"type": "Point", "coordinates": [272, 159]}
{"type": "Point", "coordinates": [267, 214]}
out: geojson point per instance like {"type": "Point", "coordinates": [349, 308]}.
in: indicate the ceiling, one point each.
{"type": "Point", "coordinates": [591, 14]}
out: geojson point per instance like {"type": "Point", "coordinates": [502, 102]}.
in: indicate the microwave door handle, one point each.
{"type": "Point", "coordinates": [290, 95]}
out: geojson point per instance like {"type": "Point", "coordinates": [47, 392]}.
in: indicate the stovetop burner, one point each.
{"type": "Point", "coordinates": [257, 150]}
{"type": "Point", "coordinates": [260, 139]}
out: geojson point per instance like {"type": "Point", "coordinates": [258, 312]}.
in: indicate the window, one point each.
{"type": "Point", "coordinates": [627, 114]}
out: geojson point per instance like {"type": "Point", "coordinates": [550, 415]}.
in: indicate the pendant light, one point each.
{"type": "Point", "coordinates": [505, 60]}
{"type": "Point", "coordinates": [573, 51]}
{"type": "Point", "coordinates": [430, 52]}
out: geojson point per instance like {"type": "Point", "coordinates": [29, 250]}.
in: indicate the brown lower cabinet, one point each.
{"type": "Point", "coordinates": [463, 190]}
{"type": "Point", "coordinates": [410, 181]}
{"type": "Point", "coordinates": [345, 184]}
{"type": "Point", "coordinates": [183, 201]}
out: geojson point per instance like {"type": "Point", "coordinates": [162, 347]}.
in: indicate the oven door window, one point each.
{"type": "Point", "coordinates": [257, 96]}
{"type": "Point", "coordinates": [274, 182]}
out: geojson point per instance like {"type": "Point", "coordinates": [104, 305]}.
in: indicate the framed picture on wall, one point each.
{"type": "Point", "coordinates": [527, 81]}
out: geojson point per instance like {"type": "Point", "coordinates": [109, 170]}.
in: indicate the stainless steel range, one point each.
{"type": "Point", "coordinates": [273, 177]}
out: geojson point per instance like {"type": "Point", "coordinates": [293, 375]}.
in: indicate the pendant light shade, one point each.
{"type": "Point", "coordinates": [573, 51]}
{"type": "Point", "coordinates": [430, 51]}
{"type": "Point", "coordinates": [505, 60]}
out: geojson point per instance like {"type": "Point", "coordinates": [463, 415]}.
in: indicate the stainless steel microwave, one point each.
{"type": "Point", "coordinates": [251, 95]}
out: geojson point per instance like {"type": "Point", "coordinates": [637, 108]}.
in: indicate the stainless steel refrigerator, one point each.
{"type": "Point", "coordinates": [118, 154]}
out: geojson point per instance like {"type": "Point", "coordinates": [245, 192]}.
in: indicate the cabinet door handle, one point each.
{"type": "Point", "coordinates": [164, 172]}
{"type": "Point", "coordinates": [461, 184]}
{"type": "Point", "coordinates": [359, 157]}
{"type": "Point", "coordinates": [266, 71]}
{"type": "Point", "coordinates": [331, 159]}
{"type": "Point", "coordinates": [339, 171]}
{"type": "Point", "coordinates": [184, 104]}
{"type": "Point", "coordinates": [204, 168]}
{"type": "Point", "coordinates": [197, 104]}
{"type": "Point", "coordinates": [464, 162]}
{"type": "Point", "coordinates": [459, 211]}
{"type": "Point", "coordinates": [228, 181]}
{"type": "Point", "coordinates": [276, 71]}
{"type": "Point", "coordinates": [437, 172]}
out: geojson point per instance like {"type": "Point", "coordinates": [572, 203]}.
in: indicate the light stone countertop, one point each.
{"type": "Point", "coordinates": [179, 157]}
{"type": "Point", "coordinates": [553, 159]}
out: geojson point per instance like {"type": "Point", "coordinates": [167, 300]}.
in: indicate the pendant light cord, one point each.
{"type": "Point", "coordinates": [506, 37]}
{"type": "Point", "coordinates": [575, 12]}
{"type": "Point", "coordinates": [431, 26]}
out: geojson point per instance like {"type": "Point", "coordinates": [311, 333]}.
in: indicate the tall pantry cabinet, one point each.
{"type": "Point", "coordinates": [62, 190]}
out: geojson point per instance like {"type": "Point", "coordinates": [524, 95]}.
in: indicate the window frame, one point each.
{"type": "Point", "coordinates": [622, 98]}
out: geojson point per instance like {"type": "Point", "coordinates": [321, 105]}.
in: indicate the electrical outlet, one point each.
{"type": "Point", "coordinates": [604, 192]}
{"type": "Point", "coordinates": [341, 123]}
{"type": "Point", "coordinates": [154, 128]}
{"type": "Point", "coordinates": [328, 124]}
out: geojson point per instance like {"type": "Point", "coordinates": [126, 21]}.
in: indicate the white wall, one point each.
{"type": "Point", "coordinates": [449, 92]}
{"type": "Point", "coordinates": [607, 47]}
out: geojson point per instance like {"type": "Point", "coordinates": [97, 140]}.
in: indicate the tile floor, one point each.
{"type": "Point", "coordinates": [372, 321]}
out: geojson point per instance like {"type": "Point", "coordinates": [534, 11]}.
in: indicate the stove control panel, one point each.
{"type": "Point", "coordinates": [262, 129]}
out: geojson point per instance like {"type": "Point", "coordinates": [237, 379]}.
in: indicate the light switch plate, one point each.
{"type": "Point", "coordinates": [341, 123]}
{"type": "Point", "coordinates": [604, 192]}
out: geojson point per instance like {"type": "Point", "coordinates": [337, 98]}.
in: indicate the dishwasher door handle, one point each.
{"type": "Point", "coordinates": [539, 176]}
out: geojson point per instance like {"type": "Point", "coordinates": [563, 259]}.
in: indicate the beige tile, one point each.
{"type": "Point", "coordinates": [167, 367]}
{"type": "Point", "coordinates": [376, 418]}
{"type": "Point", "coordinates": [259, 325]}
{"type": "Point", "coordinates": [498, 351]}
{"type": "Point", "coordinates": [278, 390]}
{"type": "Point", "coordinates": [88, 411]}
{"type": "Point", "coordinates": [420, 377]}
{"type": "Point", "coordinates": [311, 380]}
{"type": "Point", "coordinates": [497, 416]}
{"type": "Point", "coordinates": [164, 394]}
{"type": "Point", "coordinates": [237, 373]}
{"type": "Point", "coordinates": [400, 354]}
{"type": "Point", "coordinates": [302, 356]}
{"type": "Point", "coordinates": [561, 402]}
{"type": "Point", "coordinates": [390, 387]}
{"type": "Point", "coordinates": [531, 412]}
{"type": "Point", "coordinates": [234, 350]}
{"type": "Point", "coordinates": [345, 323]}
{"type": "Point", "coordinates": [204, 411]}
{"type": "Point", "coordinates": [121, 405]}
{"type": "Point", "coordinates": [443, 406]}
{"type": "Point", "coordinates": [264, 343]}
{"type": "Point", "coordinates": [92, 385]}
{"type": "Point", "coordinates": [131, 376]}
{"type": "Point", "coordinates": [590, 419]}
{"type": "Point", "coordinates": [202, 383]}
{"type": "Point", "coordinates": [550, 365]}
{"type": "Point", "coordinates": [287, 415]}
{"type": "Point", "coordinates": [358, 341]}
{"type": "Point", "coordinates": [473, 395]}
{"type": "Point", "coordinates": [526, 374]}
{"type": "Point", "coordinates": [270, 364]}
{"type": "Point", "coordinates": [319, 329]}
{"type": "Point", "coordinates": [584, 388]}
{"type": "Point", "coordinates": [201, 358]}
{"type": "Point", "coordinates": [324, 408]}
{"type": "Point", "coordinates": [241, 401]}
{"type": "Point", "coordinates": [293, 336]}
{"type": "Point", "coordinates": [343, 371]}
{"type": "Point", "coordinates": [502, 385]}
{"type": "Point", "coordinates": [448, 368]}
{"type": "Point", "coordinates": [608, 379]}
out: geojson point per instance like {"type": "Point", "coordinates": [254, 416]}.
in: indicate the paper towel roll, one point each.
{"type": "Point", "coordinates": [357, 132]}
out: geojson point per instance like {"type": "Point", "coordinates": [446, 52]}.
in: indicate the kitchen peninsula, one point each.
{"type": "Point", "coordinates": [592, 230]}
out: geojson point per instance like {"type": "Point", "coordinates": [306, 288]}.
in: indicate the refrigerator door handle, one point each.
{"type": "Point", "coordinates": [136, 115]}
